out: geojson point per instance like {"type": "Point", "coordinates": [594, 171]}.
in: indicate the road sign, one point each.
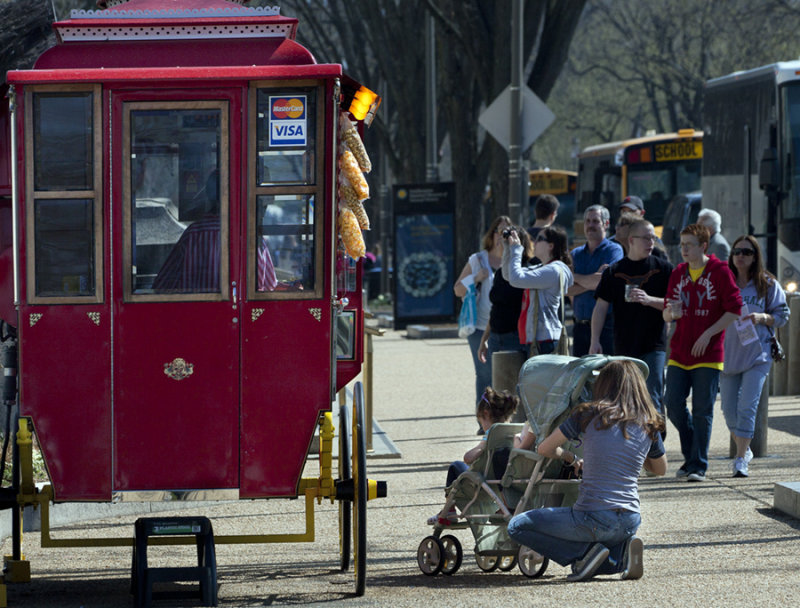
{"type": "Point", "coordinates": [536, 117]}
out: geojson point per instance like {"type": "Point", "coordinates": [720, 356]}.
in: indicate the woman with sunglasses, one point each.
{"type": "Point", "coordinates": [546, 282]}
{"type": "Point", "coordinates": [747, 347]}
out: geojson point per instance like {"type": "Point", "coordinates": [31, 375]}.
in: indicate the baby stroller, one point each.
{"type": "Point", "coordinates": [549, 386]}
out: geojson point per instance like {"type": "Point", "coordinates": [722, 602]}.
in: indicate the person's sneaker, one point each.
{"type": "Point", "coordinates": [632, 564]}
{"type": "Point", "coordinates": [740, 468]}
{"type": "Point", "coordinates": [452, 516]}
{"type": "Point", "coordinates": [696, 477]}
{"type": "Point", "coordinates": [585, 568]}
{"type": "Point", "coordinates": [681, 473]}
{"type": "Point", "coordinates": [748, 456]}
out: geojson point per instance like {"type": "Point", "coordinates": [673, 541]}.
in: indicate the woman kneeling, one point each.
{"type": "Point", "coordinates": [620, 434]}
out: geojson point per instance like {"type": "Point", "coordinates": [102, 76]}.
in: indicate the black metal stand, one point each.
{"type": "Point", "coordinates": [142, 577]}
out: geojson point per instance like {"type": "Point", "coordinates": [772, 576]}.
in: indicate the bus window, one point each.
{"type": "Point", "coordinates": [562, 185]}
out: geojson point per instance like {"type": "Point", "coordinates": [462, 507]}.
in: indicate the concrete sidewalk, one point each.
{"type": "Point", "coordinates": [717, 543]}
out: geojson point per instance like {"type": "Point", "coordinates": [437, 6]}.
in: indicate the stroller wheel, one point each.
{"type": "Point", "coordinates": [531, 564]}
{"type": "Point", "coordinates": [507, 563]}
{"type": "Point", "coordinates": [451, 550]}
{"type": "Point", "coordinates": [429, 556]}
{"type": "Point", "coordinates": [487, 563]}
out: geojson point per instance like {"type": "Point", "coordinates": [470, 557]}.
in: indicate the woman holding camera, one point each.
{"type": "Point", "coordinates": [747, 346]}
{"type": "Point", "coordinates": [501, 332]}
{"type": "Point", "coordinates": [546, 284]}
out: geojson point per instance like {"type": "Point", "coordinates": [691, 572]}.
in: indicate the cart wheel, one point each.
{"type": "Point", "coordinates": [452, 553]}
{"type": "Point", "coordinates": [429, 556]}
{"type": "Point", "coordinates": [359, 459]}
{"type": "Point", "coordinates": [487, 563]}
{"type": "Point", "coordinates": [531, 564]}
{"type": "Point", "coordinates": [507, 563]}
{"type": "Point", "coordinates": [345, 472]}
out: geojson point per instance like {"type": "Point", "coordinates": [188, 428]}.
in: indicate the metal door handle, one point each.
{"type": "Point", "coordinates": [234, 293]}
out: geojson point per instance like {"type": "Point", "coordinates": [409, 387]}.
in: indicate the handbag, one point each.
{"type": "Point", "coordinates": [775, 348]}
{"type": "Point", "coordinates": [469, 313]}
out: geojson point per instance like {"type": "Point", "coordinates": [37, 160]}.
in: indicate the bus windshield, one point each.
{"type": "Point", "coordinates": [657, 186]}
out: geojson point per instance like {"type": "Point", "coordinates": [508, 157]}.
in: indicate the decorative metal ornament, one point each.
{"type": "Point", "coordinates": [34, 318]}
{"type": "Point", "coordinates": [94, 316]}
{"type": "Point", "coordinates": [179, 369]}
{"type": "Point", "coordinates": [255, 313]}
{"type": "Point", "coordinates": [316, 313]}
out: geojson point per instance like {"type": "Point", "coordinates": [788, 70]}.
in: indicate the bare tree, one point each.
{"type": "Point", "coordinates": [381, 43]}
{"type": "Point", "coordinates": [638, 66]}
{"type": "Point", "coordinates": [26, 33]}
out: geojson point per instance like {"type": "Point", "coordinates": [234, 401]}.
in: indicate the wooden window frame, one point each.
{"type": "Point", "coordinates": [317, 189]}
{"type": "Point", "coordinates": [94, 194]}
{"type": "Point", "coordinates": [224, 180]}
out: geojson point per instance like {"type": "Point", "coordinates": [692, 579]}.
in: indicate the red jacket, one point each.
{"type": "Point", "coordinates": [704, 301]}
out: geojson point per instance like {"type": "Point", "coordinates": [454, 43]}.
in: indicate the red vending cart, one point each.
{"type": "Point", "coordinates": [182, 302]}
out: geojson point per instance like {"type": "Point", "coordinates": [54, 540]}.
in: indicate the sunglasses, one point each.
{"type": "Point", "coordinates": [740, 251]}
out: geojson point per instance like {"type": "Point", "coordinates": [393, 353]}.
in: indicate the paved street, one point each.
{"type": "Point", "coordinates": [718, 543]}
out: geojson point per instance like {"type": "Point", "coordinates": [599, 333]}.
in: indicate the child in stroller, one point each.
{"type": "Point", "coordinates": [493, 408]}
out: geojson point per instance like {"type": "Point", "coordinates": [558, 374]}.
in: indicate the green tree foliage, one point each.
{"type": "Point", "coordinates": [637, 66]}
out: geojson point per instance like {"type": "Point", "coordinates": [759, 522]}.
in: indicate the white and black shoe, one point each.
{"type": "Point", "coordinates": [632, 564]}
{"type": "Point", "coordinates": [740, 468]}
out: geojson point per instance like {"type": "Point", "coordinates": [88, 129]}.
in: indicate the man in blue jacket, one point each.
{"type": "Point", "coordinates": [589, 261]}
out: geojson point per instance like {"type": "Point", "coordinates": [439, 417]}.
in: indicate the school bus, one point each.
{"type": "Point", "coordinates": [655, 168]}
{"type": "Point", "coordinates": [562, 185]}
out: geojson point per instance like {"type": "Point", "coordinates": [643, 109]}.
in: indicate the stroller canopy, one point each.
{"type": "Point", "coordinates": [550, 385]}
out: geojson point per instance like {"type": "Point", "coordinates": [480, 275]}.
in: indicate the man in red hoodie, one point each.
{"type": "Point", "coordinates": [702, 297]}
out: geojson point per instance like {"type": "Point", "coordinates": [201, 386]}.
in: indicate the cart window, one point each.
{"type": "Point", "coordinates": [286, 134]}
{"type": "Point", "coordinates": [177, 207]}
{"type": "Point", "coordinates": [286, 247]}
{"type": "Point", "coordinates": [64, 238]}
{"type": "Point", "coordinates": [63, 194]}
{"type": "Point", "coordinates": [63, 141]}
{"type": "Point", "coordinates": [346, 335]}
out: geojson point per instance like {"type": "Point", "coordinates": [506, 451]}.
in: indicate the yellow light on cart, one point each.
{"type": "Point", "coordinates": [364, 105]}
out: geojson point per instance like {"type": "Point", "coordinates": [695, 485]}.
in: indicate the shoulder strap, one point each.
{"type": "Point", "coordinates": [561, 281]}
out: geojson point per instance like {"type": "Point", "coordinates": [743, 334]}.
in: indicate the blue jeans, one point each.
{"type": "Point", "coordinates": [507, 341]}
{"type": "Point", "coordinates": [454, 470]}
{"type": "Point", "coordinates": [655, 380]}
{"type": "Point", "coordinates": [741, 394]}
{"type": "Point", "coordinates": [694, 429]}
{"type": "Point", "coordinates": [483, 371]}
{"type": "Point", "coordinates": [565, 535]}
{"type": "Point", "coordinates": [582, 339]}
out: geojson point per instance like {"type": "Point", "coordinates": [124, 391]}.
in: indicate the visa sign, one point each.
{"type": "Point", "coordinates": [287, 121]}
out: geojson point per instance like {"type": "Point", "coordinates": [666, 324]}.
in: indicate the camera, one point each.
{"type": "Point", "coordinates": [507, 233]}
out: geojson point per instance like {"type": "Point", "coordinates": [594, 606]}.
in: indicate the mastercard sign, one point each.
{"type": "Point", "coordinates": [287, 121]}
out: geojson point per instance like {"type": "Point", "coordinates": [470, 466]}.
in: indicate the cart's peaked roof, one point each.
{"type": "Point", "coordinates": [175, 19]}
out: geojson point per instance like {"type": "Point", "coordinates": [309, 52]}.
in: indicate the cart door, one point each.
{"type": "Point", "coordinates": [176, 343]}
{"type": "Point", "coordinates": [286, 318]}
